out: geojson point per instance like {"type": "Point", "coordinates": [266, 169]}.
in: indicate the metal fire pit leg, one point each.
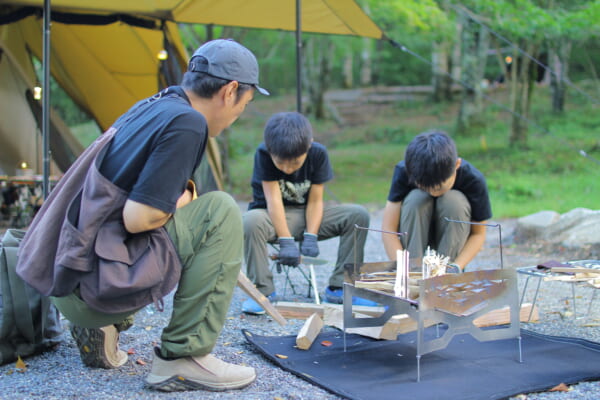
{"type": "Point", "coordinates": [537, 290]}
{"type": "Point", "coordinates": [347, 311]}
{"type": "Point", "coordinates": [574, 306]}
{"type": "Point", "coordinates": [524, 291]}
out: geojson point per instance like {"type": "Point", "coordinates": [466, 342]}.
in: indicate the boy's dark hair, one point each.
{"type": "Point", "coordinates": [430, 159]}
{"type": "Point", "coordinates": [288, 135]}
{"type": "Point", "coordinates": [205, 86]}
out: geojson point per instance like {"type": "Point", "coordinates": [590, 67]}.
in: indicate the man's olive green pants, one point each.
{"type": "Point", "coordinates": [208, 236]}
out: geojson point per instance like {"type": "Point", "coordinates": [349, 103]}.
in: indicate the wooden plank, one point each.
{"type": "Point", "coordinates": [294, 310]}
{"type": "Point", "coordinates": [247, 286]}
{"type": "Point", "coordinates": [396, 325]}
{"type": "Point", "coordinates": [402, 323]}
{"type": "Point", "coordinates": [310, 330]}
{"type": "Point", "coordinates": [297, 310]}
{"type": "Point", "coordinates": [501, 316]}
{"type": "Point", "coordinates": [575, 269]}
{"type": "Point", "coordinates": [384, 286]}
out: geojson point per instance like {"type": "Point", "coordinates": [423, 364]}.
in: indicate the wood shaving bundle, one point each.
{"type": "Point", "coordinates": [434, 264]}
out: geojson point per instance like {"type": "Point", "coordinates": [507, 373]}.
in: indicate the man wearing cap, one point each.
{"type": "Point", "coordinates": [150, 159]}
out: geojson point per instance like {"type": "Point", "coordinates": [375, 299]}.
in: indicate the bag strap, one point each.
{"type": "Point", "coordinates": [19, 297]}
{"type": "Point", "coordinates": [8, 317]}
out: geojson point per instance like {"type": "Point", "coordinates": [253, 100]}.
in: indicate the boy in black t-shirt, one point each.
{"type": "Point", "coordinates": [430, 185]}
{"type": "Point", "coordinates": [290, 171]}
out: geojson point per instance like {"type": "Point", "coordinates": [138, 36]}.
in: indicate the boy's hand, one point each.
{"type": "Point", "coordinates": [288, 251]}
{"type": "Point", "coordinates": [309, 246]}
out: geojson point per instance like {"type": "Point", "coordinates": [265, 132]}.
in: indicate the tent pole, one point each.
{"type": "Point", "coordinates": [46, 101]}
{"type": "Point", "coordinates": [299, 55]}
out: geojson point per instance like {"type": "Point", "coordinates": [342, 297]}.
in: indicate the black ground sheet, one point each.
{"type": "Point", "coordinates": [465, 369]}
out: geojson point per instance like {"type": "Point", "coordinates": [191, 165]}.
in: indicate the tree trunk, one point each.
{"type": "Point", "coordinates": [475, 45]}
{"type": "Point", "coordinates": [590, 64]}
{"type": "Point", "coordinates": [366, 65]}
{"type": "Point", "coordinates": [379, 45]}
{"type": "Point", "coordinates": [318, 71]}
{"type": "Point", "coordinates": [441, 80]}
{"type": "Point", "coordinates": [560, 55]}
{"type": "Point", "coordinates": [455, 63]}
{"type": "Point", "coordinates": [522, 84]}
{"type": "Point", "coordinates": [348, 71]}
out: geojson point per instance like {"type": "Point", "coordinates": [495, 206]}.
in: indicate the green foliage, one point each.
{"type": "Point", "coordinates": [400, 18]}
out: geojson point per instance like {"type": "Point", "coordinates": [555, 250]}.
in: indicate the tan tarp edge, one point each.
{"type": "Point", "coordinates": [342, 17]}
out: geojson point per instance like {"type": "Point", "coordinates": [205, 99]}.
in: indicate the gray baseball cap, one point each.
{"type": "Point", "coordinates": [227, 59]}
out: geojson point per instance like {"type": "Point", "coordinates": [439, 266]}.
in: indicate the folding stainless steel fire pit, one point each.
{"type": "Point", "coordinates": [455, 300]}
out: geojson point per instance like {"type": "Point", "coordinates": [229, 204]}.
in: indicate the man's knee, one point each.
{"type": "Point", "coordinates": [221, 203]}
{"type": "Point", "coordinates": [227, 201]}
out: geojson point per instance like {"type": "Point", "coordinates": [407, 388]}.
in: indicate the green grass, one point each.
{"type": "Point", "coordinates": [549, 175]}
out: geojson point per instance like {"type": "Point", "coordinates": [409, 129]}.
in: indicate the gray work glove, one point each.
{"type": "Point", "coordinates": [288, 251]}
{"type": "Point", "coordinates": [309, 246]}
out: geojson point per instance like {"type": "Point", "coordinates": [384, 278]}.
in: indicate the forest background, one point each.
{"type": "Point", "coordinates": [514, 82]}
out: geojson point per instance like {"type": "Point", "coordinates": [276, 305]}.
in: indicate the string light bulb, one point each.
{"type": "Point", "coordinates": [37, 93]}
{"type": "Point", "coordinates": [162, 55]}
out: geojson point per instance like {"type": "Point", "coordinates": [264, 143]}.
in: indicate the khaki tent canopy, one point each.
{"type": "Point", "coordinates": [104, 52]}
{"type": "Point", "coordinates": [341, 17]}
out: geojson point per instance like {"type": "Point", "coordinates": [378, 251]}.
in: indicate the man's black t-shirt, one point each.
{"type": "Point", "coordinates": [469, 180]}
{"type": "Point", "coordinates": [159, 143]}
{"type": "Point", "coordinates": [294, 187]}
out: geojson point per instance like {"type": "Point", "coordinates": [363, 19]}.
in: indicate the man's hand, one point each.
{"type": "Point", "coordinates": [309, 246]}
{"type": "Point", "coordinates": [288, 251]}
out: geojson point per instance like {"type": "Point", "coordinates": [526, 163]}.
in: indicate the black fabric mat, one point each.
{"type": "Point", "coordinates": [466, 369]}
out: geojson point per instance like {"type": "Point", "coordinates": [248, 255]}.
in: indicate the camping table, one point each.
{"type": "Point", "coordinates": [452, 299]}
{"type": "Point", "coordinates": [541, 273]}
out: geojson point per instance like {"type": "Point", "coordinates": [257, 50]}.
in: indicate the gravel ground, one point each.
{"type": "Point", "coordinates": [59, 374]}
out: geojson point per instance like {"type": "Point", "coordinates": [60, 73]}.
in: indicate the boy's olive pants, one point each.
{"type": "Point", "coordinates": [422, 217]}
{"type": "Point", "coordinates": [338, 220]}
{"type": "Point", "coordinates": [208, 236]}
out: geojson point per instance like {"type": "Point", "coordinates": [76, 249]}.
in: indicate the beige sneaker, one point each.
{"type": "Point", "coordinates": [99, 347]}
{"type": "Point", "coordinates": [193, 373]}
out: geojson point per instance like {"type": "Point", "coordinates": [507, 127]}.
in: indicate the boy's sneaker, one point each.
{"type": "Point", "coordinates": [249, 306]}
{"type": "Point", "coordinates": [99, 347]}
{"type": "Point", "coordinates": [194, 373]}
{"type": "Point", "coordinates": [336, 296]}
